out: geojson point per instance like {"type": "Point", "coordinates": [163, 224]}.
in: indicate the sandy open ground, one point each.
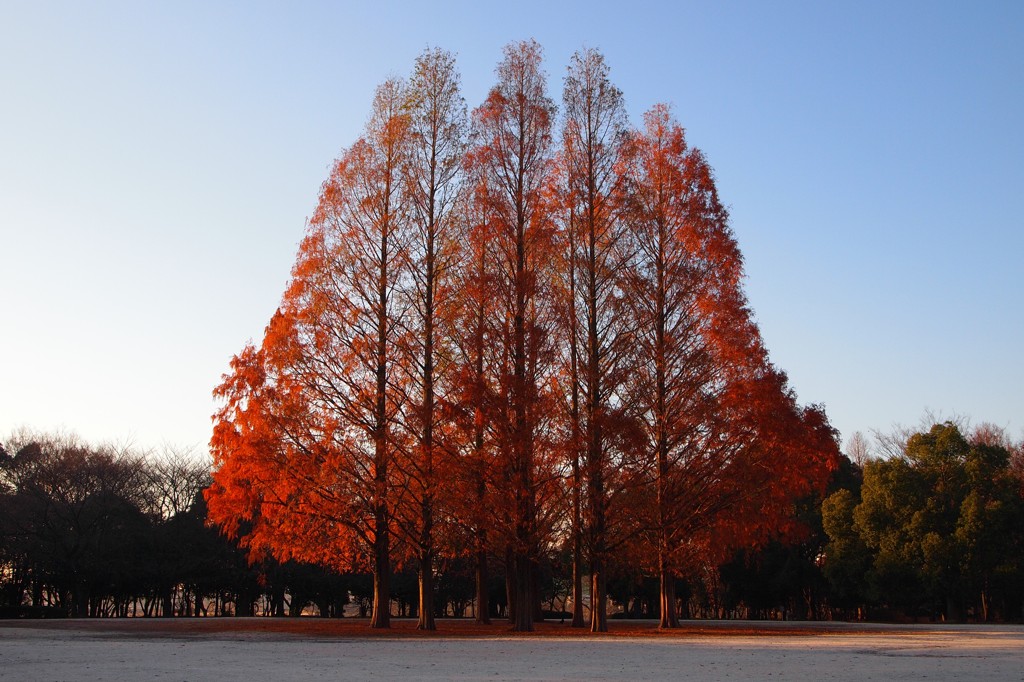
{"type": "Point", "coordinates": [249, 649]}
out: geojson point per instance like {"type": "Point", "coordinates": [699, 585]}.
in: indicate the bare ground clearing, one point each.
{"type": "Point", "coordinates": [247, 649]}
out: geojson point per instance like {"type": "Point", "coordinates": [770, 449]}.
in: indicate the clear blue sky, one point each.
{"type": "Point", "coordinates": [158, 162]}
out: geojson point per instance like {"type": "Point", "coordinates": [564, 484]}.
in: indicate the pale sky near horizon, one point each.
{"type": "Point", "coordinates": [158, 162]}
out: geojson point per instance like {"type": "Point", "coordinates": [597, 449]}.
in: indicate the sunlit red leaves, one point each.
{"type": "Point", "coordinates": [446, 348]}
{"type": "Point", "coordinates": [735, 450]}
{"type": "Point", "coordinates": [259, 455]}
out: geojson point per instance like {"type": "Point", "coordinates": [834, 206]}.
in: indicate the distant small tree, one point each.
{"type": "Point", "coordinates": [857, 449]}
{"type": "Point", "coordinates": [175, 477]}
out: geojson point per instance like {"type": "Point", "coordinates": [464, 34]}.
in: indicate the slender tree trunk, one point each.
{"type": "Point", "coordinates": [37, 593]}
{"type": "Point", "coordinates": [277, 607]}
{"type": "Point", "coordinates": [523, 437]}
{"type": "Point", "coordinates": [577, 564]}
{"type": "Point", "coordinates": [426, 540]}
{"type": "Point", "coordinates": [593, 133]}
{"type": "Point", "coordinates": [669, 612]}
{"type": "Point", "coordinates": [523, 594]}
{"type": "Point", "coordinates": [598, 596]}
{"type": "Point", "coordinates": [510, 584]}
{"type": "Point", "coordinates": [483, 607]}
{"type": "Point", "coordinates": [535, 591]}
{"type": "Point", "coordinates": [437, 120]}
{"type": "Point", "coordinates": [514, 126]}
{"type": "Point", "coordinates": [598, 590]}
{"type": "Point", "coordinates": [381, 617]}
{"type": "Point", "coordinates": [595, 451]}
{"type": "Point", "coordinates": [426, 605]}
{"type": "Point", "coordinates": [577, 474]}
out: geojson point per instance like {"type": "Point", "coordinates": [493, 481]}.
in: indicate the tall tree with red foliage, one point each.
{"type": "Point", "coordinates": [472, 407]}
{"type": "Point", "coordinates": [729, 450]}
{"type": "Point", "coordinates": [304, 444]}
{"type": "Point", "coordinates": [599, 334]}
{"type": "Point", "coordinates": [437, 142]}
{"type": "Point", "coordinates": [511, 151]}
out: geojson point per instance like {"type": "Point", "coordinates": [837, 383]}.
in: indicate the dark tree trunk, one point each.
{"type": "Point", "coordinates": [523, 617]}
{"type": "Point", "coordinates": [483, 606]}
{"type": "Point", "coordinates": [381, 617]}
{"type": "Point", "coordinates": [426, 539]}
{"type": "Point", "coordinates": [577, 474]}
{"type": "Point", "coordinates": [277, 608]}
{"type": "Point", "coordinates": [669, 613]}
{"type": "Point", "coordinates": [167, 609]}
{"type": "Point", "coordinates": [598, 597]}
{"type": "Point", "coordinates": [248, 606]}
{"type": "Point", "coordinates": [510, 585]}
{"type": "Point", "coordinates": [954, 614]}
{"type": "Point", "coordinates": [595, 440]}
{"type": "Point", "coordinates": [426, 605]}
{"type": "Point", "coordinates": [37, 592]}
{"type": "Point", "coordinates": [577, 585]}
{"type": "Point", "coordinates": [535, 591]}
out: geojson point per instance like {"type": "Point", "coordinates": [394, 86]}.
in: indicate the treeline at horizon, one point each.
{"type": "Point", "coordinates": [928, 527]}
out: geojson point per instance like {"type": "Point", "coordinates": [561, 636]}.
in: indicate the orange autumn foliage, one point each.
{"type": "Point", "coordinates": [729, 449]}
{"type": "Point", "coordinates": [488, 348]}
{"type": "Point", "coordinates": [310, 425]}
{"type": "Point", "coordinates": [512, 159]}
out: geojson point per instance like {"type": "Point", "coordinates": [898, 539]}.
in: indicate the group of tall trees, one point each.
{"type": "Point", "coordinates": [92, 530]}
{"type": "Point", "coordinates": [510, 331]}
{"type": "Point", "coordinates": [85, 527]}
{"type": "Point", "coordinates": [935, 528]}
